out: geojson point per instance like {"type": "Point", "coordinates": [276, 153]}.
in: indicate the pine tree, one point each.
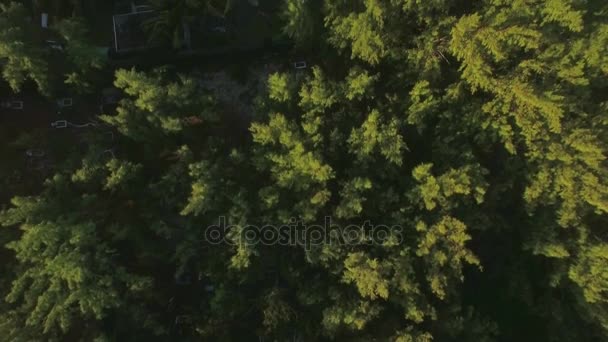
{"type": "Point", "coordinates": [25, 58]}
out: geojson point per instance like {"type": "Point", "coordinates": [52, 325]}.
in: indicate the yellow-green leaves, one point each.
{"type": "Point", "coordinates": [23, 58]}
{"type": "Point", "coordinates": [367, 274]}
{"type": "Point", "coordinates": [376, 135]}
{"type": "Point", "coordinates": [442, 246]}
{"type": "Point", "coordinates": [318, 93]}
{"type": "Point", "coordinates": [358, 83]}
{"type": "Point", "coordinates": [590, 273]}
{"type": "Point", "coordinates": [562, 13]}
{"type": "Point", "coordinates": [596, 56]}
{"type": "Point", "coordinates": [292, 164]}
{"type": "Point", "coordinates": [300, 21]}
{"type": "Point", "coordinates": [362, 32]}
{"type": "Point", "coordinates": [84, 56]}
{"type": "Point", "coordinates": [279, 87]}
{"type": "Point", "coordinates": [572, 177]}
{"type": "Point", "coordinates": [423, 103]}
{"type": "Point", "coordinates": [352, 197]}
{"type": "Point", "coordinates": [352, 314]}
{"type": "Point", "coordinates": [120, 173]}
{"type": "Point", "coordinates": [158, 105]}
{"type": "Point", "coordinates": [474, 68]}
{"type": "Point", "coordinates": [68, 273]}
{"type": "Point", "coordinates": [436, 191]}
{"type": "Point", "coordinates": [476, 43]}
{"type": "Point", "coordinates": [295, 162]}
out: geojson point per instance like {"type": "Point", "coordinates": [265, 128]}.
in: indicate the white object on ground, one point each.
{"type": "Point", "coordinates": [55, 45]}
{"type": "Point", "coordinates": [59, 124]}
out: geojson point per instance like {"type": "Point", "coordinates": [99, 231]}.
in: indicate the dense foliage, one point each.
{"type": "Point", "coordinates": [475, 131]}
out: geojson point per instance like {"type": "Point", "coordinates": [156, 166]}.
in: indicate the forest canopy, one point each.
{"type": "Point", "coordinates": [465, 142]}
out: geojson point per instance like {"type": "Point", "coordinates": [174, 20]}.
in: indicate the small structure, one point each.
{"type": "Point", "coordinates": [299, 65]}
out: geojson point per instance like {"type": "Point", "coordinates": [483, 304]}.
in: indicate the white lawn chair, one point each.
{"type": "Point", "coordinates": [60, 124]}
{"type": "Point", "coordinates": [299, 65]}
{"type": "Point", "coordinates": [55, 45]}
